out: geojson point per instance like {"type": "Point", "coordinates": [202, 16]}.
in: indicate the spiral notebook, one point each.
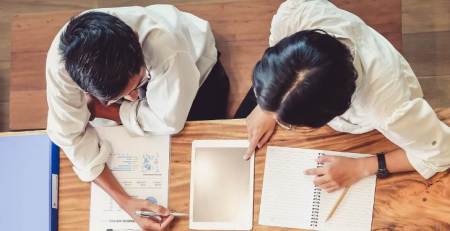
{"type": "Point", "coordinates": [290, 199]}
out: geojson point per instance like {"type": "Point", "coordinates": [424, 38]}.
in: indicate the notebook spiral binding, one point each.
{"type": "Point", "coordinates": [314, 219]}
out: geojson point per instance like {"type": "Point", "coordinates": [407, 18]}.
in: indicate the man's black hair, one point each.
{"type": "Point", "coordinates": [307, 78]}
{"type": "Point", "coordinates": [101, 53]}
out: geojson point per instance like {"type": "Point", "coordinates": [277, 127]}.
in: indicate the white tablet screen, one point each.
{"type": "Point", "coordinates": [222, 186]}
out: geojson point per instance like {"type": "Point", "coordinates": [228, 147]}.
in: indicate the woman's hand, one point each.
{"type": "Point", "coordinates": [260, 127]}
{"type": "Point", "coordinates": [341, 172]}
{"type": "Point", "coordinates": [131, 205]}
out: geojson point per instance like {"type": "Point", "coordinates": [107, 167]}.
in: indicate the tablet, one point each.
{"type": "Point", "coordinates": [221, 193]}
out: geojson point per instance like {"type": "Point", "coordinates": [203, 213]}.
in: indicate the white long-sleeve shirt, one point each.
{"type": "Point", "coordinates": [179, 50]}
{"type": "Point", "coordinates": [388, 96]}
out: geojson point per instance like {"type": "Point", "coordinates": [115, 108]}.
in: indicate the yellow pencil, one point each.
{"type": "Point", "coordinates": [337, 203]}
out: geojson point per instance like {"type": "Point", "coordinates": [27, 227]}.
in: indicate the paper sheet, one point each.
{"type": "Point", "coordinates": [355, 210]}
{"type": "Point", "coordinates": [287, 194]}
{"type": "Point", "coordinates": [141, 165]}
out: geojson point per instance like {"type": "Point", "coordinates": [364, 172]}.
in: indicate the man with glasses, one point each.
{"type": "Point", "coordinates": [148, 68]}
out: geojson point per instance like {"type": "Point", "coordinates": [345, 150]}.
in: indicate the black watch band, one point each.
{"type": "Point", "coordinates": [382, 169]}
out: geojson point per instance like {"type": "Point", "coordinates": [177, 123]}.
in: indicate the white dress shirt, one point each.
{"type": "Point", "coordinates": [179, 50]}
{"type": "Point", "coordinates": [388, 96]}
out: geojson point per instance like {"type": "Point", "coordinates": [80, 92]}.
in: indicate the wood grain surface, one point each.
{"type": "Point", "coordinates": [241, 30]}
{"type": "Point", "coordinates": [402, 202]}
{"type": "Point", "coordinates": [426, 36]}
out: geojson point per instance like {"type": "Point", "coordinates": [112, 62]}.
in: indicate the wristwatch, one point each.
{"type": "Point", "coordinates": [382, 169]}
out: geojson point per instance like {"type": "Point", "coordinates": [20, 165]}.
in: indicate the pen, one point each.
{"type": "Point", "coordinates": [153, 214]}
{"type": "Point", "coordinates": [337, 203]}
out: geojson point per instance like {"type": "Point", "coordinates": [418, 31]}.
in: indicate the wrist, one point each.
{"type": "Point", "coordinates": [369, 166]}
{"type": "Point", "coordinates": [122, 199]}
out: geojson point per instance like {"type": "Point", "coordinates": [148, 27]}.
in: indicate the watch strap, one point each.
{"type": "Point", "coordinates": [382, 168]}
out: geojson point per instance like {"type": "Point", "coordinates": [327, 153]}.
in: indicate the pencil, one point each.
{"type": "Point", "coordinates": [337, 203]}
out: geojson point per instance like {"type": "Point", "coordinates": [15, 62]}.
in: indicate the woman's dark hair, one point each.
{"type": "Point", "coordinates": [101, 53]}
{"type": "Point", "coordinates": [307, 79]}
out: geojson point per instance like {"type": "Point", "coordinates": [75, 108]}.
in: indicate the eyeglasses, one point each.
{"type": "Point", "coordinates": [280, 123]}
{"type": "Point", "coordinates": [284, 125]}
{"type": "Point", "coordinates": [143, 81]}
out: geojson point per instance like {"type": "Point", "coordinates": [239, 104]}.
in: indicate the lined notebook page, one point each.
{"type": "Point", "coordinates": [287, 194]}
{"type": "Point", "coordinates": [355, 210]}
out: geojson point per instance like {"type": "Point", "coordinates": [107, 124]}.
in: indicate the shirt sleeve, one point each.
{"type": "Point", "coordinates": [68, 122]}
{"type": "Point", "coordinates": [415, 127]}
{"type": "Point", "coordinates": [280, 25]}
{"type": "Point", "coordinates": [409, 121]}
{"type": "Point", "coordinates": [297, 15]}
{"type": "Point", "coordinates": [169, 97]}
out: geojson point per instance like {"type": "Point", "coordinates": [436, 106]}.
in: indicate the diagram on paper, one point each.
{"type": "Point", "coordinates": [151, 163]}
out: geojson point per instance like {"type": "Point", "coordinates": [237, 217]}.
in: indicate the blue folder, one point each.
{"type": "Point", "coordinates": [29, 168]}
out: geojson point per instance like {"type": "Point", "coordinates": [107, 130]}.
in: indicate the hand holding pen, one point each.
{"type": "Point", "coordinates": [155, 223]}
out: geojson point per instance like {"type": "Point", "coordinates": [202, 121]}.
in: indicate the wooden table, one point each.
{"type": "Point", "coordinates": [402, 201]}
{"type": "Point", "coordinates": [241, 29]}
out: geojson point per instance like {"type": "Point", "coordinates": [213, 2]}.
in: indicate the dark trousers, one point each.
{"type": "Point", "coordinates": [211, 101]}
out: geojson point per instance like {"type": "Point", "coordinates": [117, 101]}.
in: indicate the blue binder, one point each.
{"type": "Point", "coordinates": [29, 168]}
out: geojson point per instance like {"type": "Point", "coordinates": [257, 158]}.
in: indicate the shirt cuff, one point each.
{"type": "Point", "coordinates": [95, 167]}
{"type": "Point", "coordinates": [91, 174]}
{"type": "Point", "coordinates": [421, 167]}
{"type": "Point", "coordinates": [128, 116]}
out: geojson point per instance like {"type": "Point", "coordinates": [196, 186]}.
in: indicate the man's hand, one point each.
{"type": "Point", "coordinates": [341, 172]}
{"type": "Point", "coordinates": [131, 205]}
{"type": "Point", "coordinates": [92, 104]}
{"type": "Point", "coordinates": [260, 127]}
{"type": "Point", "coordinates": [99, 110]}
{"type": "Point", "coordinates": [109, 183]}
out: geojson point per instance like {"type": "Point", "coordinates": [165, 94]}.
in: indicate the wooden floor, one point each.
{"type": "Point", "coordinates": [426, 45]}
{"type": "Point", "coordinates": [426, 36]}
